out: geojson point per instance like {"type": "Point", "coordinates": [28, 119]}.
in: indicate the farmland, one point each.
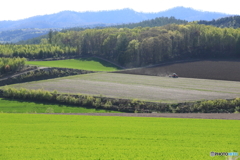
{"type": "Point", "coordinates": [13, 106]}
{"type": "Point", "coordinates": [204, 69]}
{"type": "Point", "coordinates": [151, 88]}
{"type": "Point", "coordinates": [93, 64]}
{"type": "Point", "coordinates": [32, 136]}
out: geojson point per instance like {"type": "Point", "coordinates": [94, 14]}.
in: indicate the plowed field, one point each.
{"type": "Point", "coordinates": [150, 88]}
{"type": "Point", "coordinates": [208, 69]}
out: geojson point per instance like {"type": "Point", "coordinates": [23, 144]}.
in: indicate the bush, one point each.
{"type": "Point", "coordinates": [49, 110]}
{"type": "Point", "coordinates": [210, 106]}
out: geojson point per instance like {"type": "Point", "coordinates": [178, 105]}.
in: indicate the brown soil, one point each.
{"type": "Point", "coordinates": [204, 69]}
{"type": "Point", "coordinates": [166, 115]}
{"type": "Point", "coordinates": [149, 88]}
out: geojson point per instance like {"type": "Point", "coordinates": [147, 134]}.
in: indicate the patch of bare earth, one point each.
{"type": "Point", "coordinates": [204, 69]}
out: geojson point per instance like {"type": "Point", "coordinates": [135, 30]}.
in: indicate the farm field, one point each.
{"type": "Point", "coordinates": [207, 69]}
{"type": "Point", "coordinates": [92, 64]}
{"type": "Point", "coordinates": [151, 88]}
{"type": "Point", "coordinates": [33, 136]}
{"type": "Point", "coordinates": [14, 106]}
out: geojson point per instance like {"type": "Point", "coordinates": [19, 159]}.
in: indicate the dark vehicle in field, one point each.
{"type": "Point", "coordinates": [174, 75]}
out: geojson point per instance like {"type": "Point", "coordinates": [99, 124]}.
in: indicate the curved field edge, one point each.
{"type": "Point", "coordinates": [33, 136]}
{"type": "Point", "coordinates": [17, 106]}
{"type": "Point", "coordinates": [90, 64]}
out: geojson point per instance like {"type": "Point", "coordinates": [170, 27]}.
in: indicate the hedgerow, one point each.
{"type": "Point", "coordinates": [125, 105]}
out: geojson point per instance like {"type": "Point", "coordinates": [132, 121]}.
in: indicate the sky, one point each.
{"type": "Point", "coordinates": [20, 9]}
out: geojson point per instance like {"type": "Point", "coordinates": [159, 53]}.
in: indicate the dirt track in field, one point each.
{"type": "Point", "coordinates": [204, 69]}
{"type": "Point", "coordinates": [166, 115]}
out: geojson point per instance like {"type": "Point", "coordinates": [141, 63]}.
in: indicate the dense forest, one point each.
{"type": "Point", "coordinates": [144, 46]}
{"type": "Point", "coordinates": [228, 22]}
{"type": "Point", "coordinates": [139, 46]}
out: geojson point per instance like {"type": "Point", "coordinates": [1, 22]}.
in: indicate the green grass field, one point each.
{"type": "Point", "coordinates": [31, 136]}
{"type": "Point", "coordinates": [13, 106]}
{"type": "Point", "coordinates": [92, 64]}
{"type": "Point", "coordinates": [150, 88]}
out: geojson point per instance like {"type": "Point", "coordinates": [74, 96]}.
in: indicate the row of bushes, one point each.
{"type": "Point", "coordinates": [11, 64]}
{"type": "Point", "coordinates": [43, 74]}
{"type": "Point", "coordinates": [54, 96]}
{"type": "Point", "coordinates": [125, 105]}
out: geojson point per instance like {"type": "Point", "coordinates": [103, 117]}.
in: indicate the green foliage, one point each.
{"type": "Point", "coordinates": [136, 47]}
{"type": "Point", "coordinates": [28, 136]}
{"type": "Point", "coordinates": [43, 74]}
{"type": "Point", "coordinates": [11, 64]}
{"type": "Point", "coordinates": [144, 46]}
{"type": "Point", "coordinates": [97, 103]}
{"type": "Point", "coordinates": [159, 21]}
{"type": "Point", "coordinates": [34, 51]}
{"type": "Point", "coordinates": [49, 110]}
{"type": "Point", "coordinates": [210, 106]}
{"type": "Point", "coordinates": [229, 22]}
{"type": "Point", "coordinates": [108, 104]}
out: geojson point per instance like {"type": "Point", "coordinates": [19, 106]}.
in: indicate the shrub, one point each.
{"type": "Point", "coordinates": [49, 110]}
{"type": "Point", "coordinates": [108, 104]}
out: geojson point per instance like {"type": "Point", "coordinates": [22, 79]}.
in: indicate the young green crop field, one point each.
{"type": "Point", "coordinates": [150, 88]}
{"type": "Point", "coordinates": [92, 64]}
{"type": "Point", "coordinates": [13, 106]}
{"type": "Point", "coordinates": [32, 136]}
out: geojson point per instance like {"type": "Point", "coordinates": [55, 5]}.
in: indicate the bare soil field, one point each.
{"type": "Point", "coordinates": [205, 69]}
{"type": "Point", "coordinates": [166, 115]}
{"type": "Point", "coordinates": [149, 88]}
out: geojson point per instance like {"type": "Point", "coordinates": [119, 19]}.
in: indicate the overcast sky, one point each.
{"type": "Point", "coordinates": [20, 9]}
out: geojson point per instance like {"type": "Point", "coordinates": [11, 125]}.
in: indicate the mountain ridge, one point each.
{"type": "Point", "coordinates": [67, 19]}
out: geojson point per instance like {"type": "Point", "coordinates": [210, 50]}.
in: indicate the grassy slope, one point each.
{"type": "Point", "coordinates": [13, 106]}
{"type": "Point", "coordinates": [26, 136]}
{"type": "Point", "coordinates": [151, 88]}
{"type": "Point", "coordinates": [92, 64]}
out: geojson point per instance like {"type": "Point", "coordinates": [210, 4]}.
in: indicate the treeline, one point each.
{"type": "Point", "coordinates": [160, 21]}
{"type": "Point", "coordinates": [41, 74]}
{"type": "Point", "coordinates": [11, 64]}
{"type": "Point", "coordinates": [144, 46]}
{"type": "Point", "coordinates": [39, 51]}
{"type": "Point", "coordinates": [125, 105]}
{"type": "Point", "coordinates": [227, 22]}
{"type": "Point", "coordinates": [135, 47]}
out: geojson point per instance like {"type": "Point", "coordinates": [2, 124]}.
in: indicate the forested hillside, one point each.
{"type": "Point", "coordinates": [139, 46]}
{"type": "Point", "coordinates": [160, 21]}
{"type": "Point", "coordinates": [13, 36]}
{"type": "Point", "coordinates": [228, 22]}
{"type": "Point", "coordinates": [144, 46]}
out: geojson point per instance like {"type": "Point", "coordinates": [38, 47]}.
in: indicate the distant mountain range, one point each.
{"type": "Point", "coordinates": [67, 19]}
{"type": "Point", "coordinates": [15, 31]}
